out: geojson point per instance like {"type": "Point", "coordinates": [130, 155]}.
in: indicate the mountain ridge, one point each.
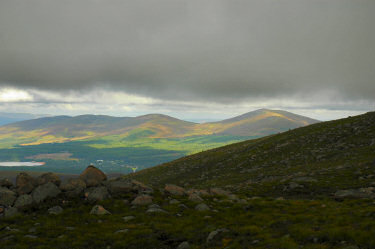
{"type": "Point", "coordinates": [67, 128]}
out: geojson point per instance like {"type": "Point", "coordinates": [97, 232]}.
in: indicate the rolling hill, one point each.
{"type": "Point", "coordinates": [141, 141]}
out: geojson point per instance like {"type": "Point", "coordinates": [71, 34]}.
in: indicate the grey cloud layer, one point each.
{"type": "Point", "coordinates": [213, 50]}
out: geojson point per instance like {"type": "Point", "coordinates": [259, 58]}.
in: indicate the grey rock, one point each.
{"type": "Point", "coordinates": [184, 245]}
{"type": "Point", "coordinates": [97, 194]}
{"type": "Point", "coordinates": [121, 186]}
{"type": "Point", "coordinates": [156, 210]}
{"type": "Point", "coordinates": [122, 231]}
{"type": "Point", "coordinates": [48, 177]}
{"type": "Point", "coordinates": [73, 184]}
{"type": "Point", "coordinates": [45, 191]}
{"type": "Point", "coordinates": [195, 198]}
{"type": "Point", "coordinates": [174, 201]}
{"type": "Point", "coordinates": [29, 236]}
{"type": "Point", "coordinates": [174, 189]}
{"type": "Point", "coordinates": [93, 176]}
{"type": "Point", "coordinates": [304, 179]}
{"type": "Point", "coordinates": [25, 184]}
{"type": "Point", "coordinates": [202, 207]}
{"type": "Point", "coordinates": [55, 210]}
{"type": "Point", "coordinates": [142, 200]}
{"type": "Point", "coordinates": [23, 201]}
{"type": "Point", "coordinates": [7, 197]}
{"type": "Point", "coordinates": [128, 218]}
{"type": "Point", "coordinates": [355, 193]}
{"type": "Point", "coordinates": [99, 210]}
{"type": "Point", "coordinates": [214, 234]}
{"type": "Point", "coordinates": [5, 182]}
{"type": "Point", "coordinates": [10, 212]}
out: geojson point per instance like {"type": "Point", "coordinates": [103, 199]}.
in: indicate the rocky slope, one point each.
{"type": "Point", "coordinates": [91, 211]}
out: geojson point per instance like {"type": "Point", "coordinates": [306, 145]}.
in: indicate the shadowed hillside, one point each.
{"type": "Point", "coordinates": [315, 160]}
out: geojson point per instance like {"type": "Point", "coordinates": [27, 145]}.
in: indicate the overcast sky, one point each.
{"type": "Point", "coordinates": [192, 59]}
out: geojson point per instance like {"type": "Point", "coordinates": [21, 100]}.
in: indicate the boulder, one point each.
{"type": "Point", "coordinates": [73, 184]}
{"type": "Point", "coordinates": [5, 182]}
{"type": "Point", "coordinates": [355, 193]}
{"type": "Point", "coordinates": [10, 212]}
{"type": "Point", "coordinates": [152, 210]}
{"type": "Point", "coordinates": [25, 184]}
{"type": "Point", "coordinates": [213, 237]}
{"type": "Point", "coordinates": [45, 191]}
{"type": "Point", "coordinates": [7, 197]}
{"type": "Point", "coordinates": [97, 194]}
{"type": "Point", "coordinates": [23, 201]}
{"type": "Point", "coordinates": [120, 186]}
{"type": "Point", "coordinates": [142, 200]}
{"type": "Point", "coordinates": [219, 191]}
{"type": "Point", "coordinates": [55, 210]}
{"type": "Point", "coordinates": [48, 177]}
{"type": "Point", "coordinates": [174, 189]}
{"type": "Point", "coordinates": [99, 210]}
{"type": "Point", "coordinates": [128, 218]}
{"type": "Point", "coordinates": [184, 245]}
{"type": "Point", "coordinates": [202, 207]}
{"type": "Point", "coordinates": [93, 176]}
{"type": "Point", "coordinates": [195, 198]}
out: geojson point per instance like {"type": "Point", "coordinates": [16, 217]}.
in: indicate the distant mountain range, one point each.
{"type": "Point", "coordinates": [118, 144]}
{"type": "Point", "coordinates": [7, 118]}
{"type": "Point", "coordinates": [65, 128]}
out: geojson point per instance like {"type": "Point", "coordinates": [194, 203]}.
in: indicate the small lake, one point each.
{"type": "Point", "coordinates": [21, 164]}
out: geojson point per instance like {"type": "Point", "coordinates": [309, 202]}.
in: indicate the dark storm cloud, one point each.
{"type": "Point", "coordinates": [208, 50]}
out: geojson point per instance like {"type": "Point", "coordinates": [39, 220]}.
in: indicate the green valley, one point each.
{"type": "Point", "coordinates": [116, 144]}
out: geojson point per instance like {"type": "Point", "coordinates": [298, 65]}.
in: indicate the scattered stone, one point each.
{"type": "Point", "coordinates": [122, 231]}
{"type": "Point", "coordinates": [7, 197]}
{"type": "Point", "coordinates": [154, 208]}
{"type": "Point", "coordinates": [355, 193]}
{"type": "Point", "coordinates": [29, 236]}
{"type": "Point", "coordinates": [93, 176]}
{"type": "Point", "coordinates": [304, 179]}
{"type": "Point", "coordinates": [174, 189]}
{"type": "Point", "coordinates": [142, 200]}
{"type": "Point", "coordinates": [23, 201]}
{"type": "Point", "coordinates": [215, 233]}
{"type": "Point", "coordinates": [174, 201]}
{"type": "Point", "coordinates": [55, 210]}
{"type": "Point", "coordinates": [5, 182]}
{"type": "Point", "coordinates": [99, 210]}
{"type": "Point", "coordinates": [48, 177]}
{"type": "Point", "coordinates": [10, 212]}
{"type": "Point", "coordinates": [202, 207]}
{"type": "Point", "coordinates": [128, 218]}
{"type": "Point", "coordinates": [219, 191]}
{"type": "Point", "coordinates": [195, 198]}
{"type": "Point", "coordinates": [70, 228]}
{"type": "Point", "coordinates": [45, 191]}
{"type": "Point", "coordinates": [184, 245]}
{"type": "Point", "coordinates": [25, 183]}
{"type": "Point", "coordinates": [97, 194]}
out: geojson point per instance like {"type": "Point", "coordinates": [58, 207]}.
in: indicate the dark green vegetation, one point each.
{"type": "Point", "coordinates": [320, 158]}
{"type": "Point", "coordinates": [123, 142]}
{"type": "Point", "coordinates": [260, 223]}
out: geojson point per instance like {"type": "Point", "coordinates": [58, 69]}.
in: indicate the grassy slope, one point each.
{"type": "Point", "coordinates": [334, 153]}
{"type": "Point", "coordinates": [338, 154]}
